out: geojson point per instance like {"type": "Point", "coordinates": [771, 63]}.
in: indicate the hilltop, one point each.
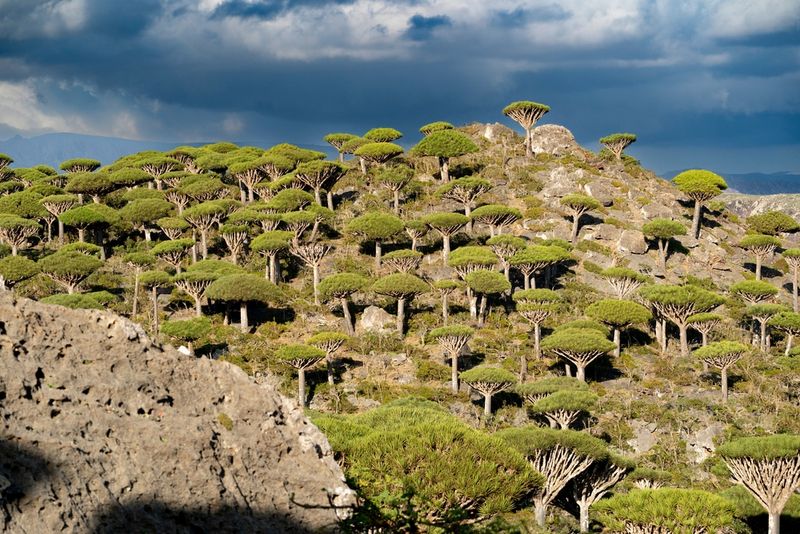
{"type": "Point", "coordinates": [335, 280]}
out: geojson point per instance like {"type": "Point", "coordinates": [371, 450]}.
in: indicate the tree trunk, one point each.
{"type": "Point", "coordinates": [684, 340]}
{"type": "Point", "coordinates": [487, 404]}
{"type": "Point", "coordinates": [445, 248]}
{"type": "Point", "coordinates": [523, 366]}
{"type": "Point", "coordinates": [147, 235]}
{"type": "Point", "coordinates": [774, 523]}
{"type": "Point", "coordinates": [454, 372]}
{"type": "Point", "coordinates": [198, 306]}
{"type": "Point", "coordinates": [540, 512]}
{"type": "Point", "coordinates": [341, 157]}
{"type": "Point", "coordinates": [154, 295]}
{"type": "Point", "coordinates": [245, 324]}
{"type": "Point", "coordinates": [580, 372]}
{"type": "Point", "coordinates": [705, 337]}
{"type": "Point", "coordinates": [14, 249]}
{"type": "Point", "coordinates": [758, 266]}
{"type": "Point", "coordinates": [482, 310]}
{"type": "Point", "coordinates": [529, 153]}
{"type": "Point", "coordinates": [329, 195]}
{"type": "Point", "coordinates": [301, 387]}
{"type": "Point", "coordinates": [396, 202]}
{"type": "Point", "coordinates": [468, 213]}
{"type": "Point", "coordinates": [662, 256]}
{"type": "Point", "coordinates": [82, 235]}
{"type": "Point", "coordinates": [526, 281]}
{"type": "Point", "coordinates": [135, 293]}
{"type": "Point", "coordinates": [363, 163]}
{"type": "Point", "coordinates": [723, 373]}
{"type": "Point", "coordinates": [473, 310]}
{"type": "Point", "coordinates": [377, 254]}
{"type": "Point", "coordinates": [348, 320]}
{"type": "Point", "coordinates": [763, 330]}
{"type": "Point", "coordinates": [445, 311]}
{"type": "Point", "coordinates": [789, 342]}
{"type": "Point", "coordinates": [698, 207]}
{"type": "Point", "coordinates": [537, 339]}
{"type": "Point", "coordinates": [617, 342]}
{"type": "Point", "coordinates": [795, 280]}
{"type": "Point", "coordinates": [273, 269]}
{"type": "Point", "coordinates": [444, 169]}
{"type": "Point", "coordinates": [204, 243]}
{"type": "Point", "coordinates": [576, 220]}
{"type": "Point", "coordinates": [315, 275]}
{"type": "Point", "coordinates": [317, 196]}
{"type": "Point", "coordinates": [60, 231]}
{"type": "Point", "coordinates": [583, 513]}
{"type": "Point", "coordinates": [329, 363]}
{"type": "Point", "coordinates": [401, 314]}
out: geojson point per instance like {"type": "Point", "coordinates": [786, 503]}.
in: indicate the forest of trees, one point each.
{"type": "Point", "coordinates": [238, 246]}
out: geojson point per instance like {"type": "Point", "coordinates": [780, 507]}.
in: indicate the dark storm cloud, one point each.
{"type": "Point", "coordinates": [520, 16]}
{"type": "Point", "coordinates": [421, 28]}
{"type": "Point", "coordinates": [176, 73]}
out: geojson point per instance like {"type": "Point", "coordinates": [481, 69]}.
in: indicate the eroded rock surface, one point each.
{"type": "Point", "coordinates": [105, 432]}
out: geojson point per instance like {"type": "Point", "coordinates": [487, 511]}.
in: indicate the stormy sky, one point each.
{"type": "Point", "coordinates": [704, 83]}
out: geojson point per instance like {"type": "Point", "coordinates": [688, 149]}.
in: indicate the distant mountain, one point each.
{"type": "Point", "coordinates": [757, 183]}
{"type": "Point", "coordinates": [52, 149]}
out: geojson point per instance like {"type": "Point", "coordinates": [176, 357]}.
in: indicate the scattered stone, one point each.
{"type": "Point", "coordinates": [632, 241]}
{"type": "Point", "coordinates": [375, 319]}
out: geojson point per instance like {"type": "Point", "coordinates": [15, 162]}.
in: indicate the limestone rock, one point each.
{"type": "Point", "coordinates": [554, 139]}
{"type": "Point", "coordinates": [632, 241]}
{"type": "Point", "coordinates": [375, 319]}
{"type": "Point", "coordinates": [103, 430]}
{"type": "Point", "coordinates": [600, 192]}
{"type": "Point", "coordinates": [700, 445]}
{"type": "Point", "coordinates": [645, 436]}
{"type": "Point", "coordinates": [655, 210]}
{"type": "Point", "coordinates": [607, 232]}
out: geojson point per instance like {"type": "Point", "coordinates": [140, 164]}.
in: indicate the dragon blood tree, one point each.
{"type": "Point", "coordinates": [768, 467]}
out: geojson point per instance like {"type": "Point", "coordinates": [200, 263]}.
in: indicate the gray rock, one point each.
{"type": "Point", "coordinates": [554, 139]}
{"type": "Point", "coordinates": [700, 445]}
{"type": "Point", "coordinates": [600, 192]}
{"type": "Point", "coordinates": [607, 232]}
{"type": "Point", "coordinates": [645, 436]}
{"type": "Point", "coordinates": [375, 319]}
{"type": "Point", "coordinates": [121, 432]}
{"type": "Point", "coordinates": [632, 241]}
{"type": "Point", "coordinates": [655, 210]}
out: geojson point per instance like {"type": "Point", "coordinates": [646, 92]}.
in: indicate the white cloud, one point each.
{"type": "Point", "coordinates": [232, 124]}
{"type": "Point", "coordinates": [22, 109]}
{"type": "Point", "coordinates": [741, 18]}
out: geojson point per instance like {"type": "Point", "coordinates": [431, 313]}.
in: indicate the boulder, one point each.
{"type": "Point", "coordinates": [555, 140]}
{"type": "Point", "coordinates": [655, 210]}
{"type": "Point", "coordinates": [375, 319]}
{"type": "Point", "coordinates": [103, 431]}
{"type": "Point", "coordinates": [700, 444]}
{"type": "Point", "coordinates": [601, 192]}
{"type": "Point", "coordinates": [632, 241]}
{"type": "Point", "coordinates": [606, 232]}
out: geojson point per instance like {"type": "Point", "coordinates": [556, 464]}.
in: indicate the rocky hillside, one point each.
{"type": "Point", "coordinates": [105, 432]}
{"type": "Point", "coordinates": [745, 205]}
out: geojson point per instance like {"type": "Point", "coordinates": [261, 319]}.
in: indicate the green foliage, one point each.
{"type": "Point", "coordinates": [700, 184]}
{"type": "Point", "coordinates": [787, 321]}
{"type": "Point", "coordinates": [510, 242]}
{"type": "Point", "coordinates": [187, 330]}
{"type": "Point", "coordinates": [83, 248]}
{"type": "Point", "coordinates": [678, 511]}
{"type": "Point", "coordinates": [338, 139]}
{"type": "Point", "coordinates": [413, 462]}
{"type": "Point", "coordinates": [341, 285]}
{"type": "Point", "coordinates": [383, 135]}
{"type": "Point", "coordinates": [496, 214]}
{"type": "Point", "coordinates": [75, 301]}
{"type": "Point", "coordinates": [81, 164]}
{"type": "Point", "coordinates": [172, 246]}
{"type": "Point", "coordinates": [428, 370]}
{"type": "Point", "coordinates": [686, 297]}
{"type": "Point", "coordinates": [90, 183]}
{"type": "Point", "coordinates": [244, 288]}
{"type": "Point", "coordinates": [619, 313]}
{"type": "Point", "coordinates": [624, 272]}
{"type": "Point", "coordinates": [471, 256]}
{"type": "Point", "coordinates": [435, 126]}
{"type": "Point", "coordinates": [376, 225]}
{"type": "Point", "coordinates": [271, 241]}
{"type": "Point", "coordinates": [663, 229]}
{"type": "Point", "coordinates": [15, 269]}
{"type": "Point", "coordinates": [144, 211]}
{"type": "Point", "coordinates": [89, 215]}
{"type": "Point", "coordinates": [570, 399]}
{"type": "Point", "coordinates": [484, 374]}
{"type": "Point", "coordinates": [754, 290]}
{"type": "Point", "coordinates": [448, 143]}
{"type": "Point", "coordinates": [721, 349]}
{"type": "Point", "coordinates": [323, 338]}
{"type": "Point", "coordinates": [448, 223]}
{"type": "Point", "coordinates": [219, 267]}
{"type": "Point", "coordinates": [762, 447]}
{"type": "Point", "coordinates": [525, 105]}
{"type": "Point", "coordinates": [378, 152]}
{"type": "Point", "coordinates": [154, 279]}
{"type": "Point", "coordinates": [226, 422]}
{"type": "Point", "coordinates": [530, 440]}
{"type": "Point", "coordinates": [539, 256]}
{"type": "Point", "coordinates": [129, 177]}
{"type": "Point", "coordinates": [486, 282]}
{"type": "Point", "coordinates": [546, 386]}
{"type": "Point", "coordinates": [772, 223]}
{"type": "Point", "coordinates": [139, 259]}
{"type": "Point", "coordinates": [400, 285]}
{"type": "Point", "coordinates": [618, 137]}
{"type": "Point", "coordinates": [589, 324]}
{"type": "Point", "coordinates": [704, 317]}
{"type": "Point", "coordinates": [579, 202]}
{"type": "Point", "coordinates": [23, 204]}
{"type": "Point", "coordinates": [577, 341]}
{"type": "Point", "coordinates": [759, 241]}
{"type": "Point", "coordinates": [69, 263]}
{"type": "Point", "coordinates": [299, 355]}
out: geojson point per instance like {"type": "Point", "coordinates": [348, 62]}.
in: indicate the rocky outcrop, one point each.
{"type": "Point", "coordinates": [375, 319]}
{"type": "Point", "coordinates": [746, 205]}
{"type": "Point", "coordinates": [103, 431]}
{"type": "Point", "coordinates": [554, 139]}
